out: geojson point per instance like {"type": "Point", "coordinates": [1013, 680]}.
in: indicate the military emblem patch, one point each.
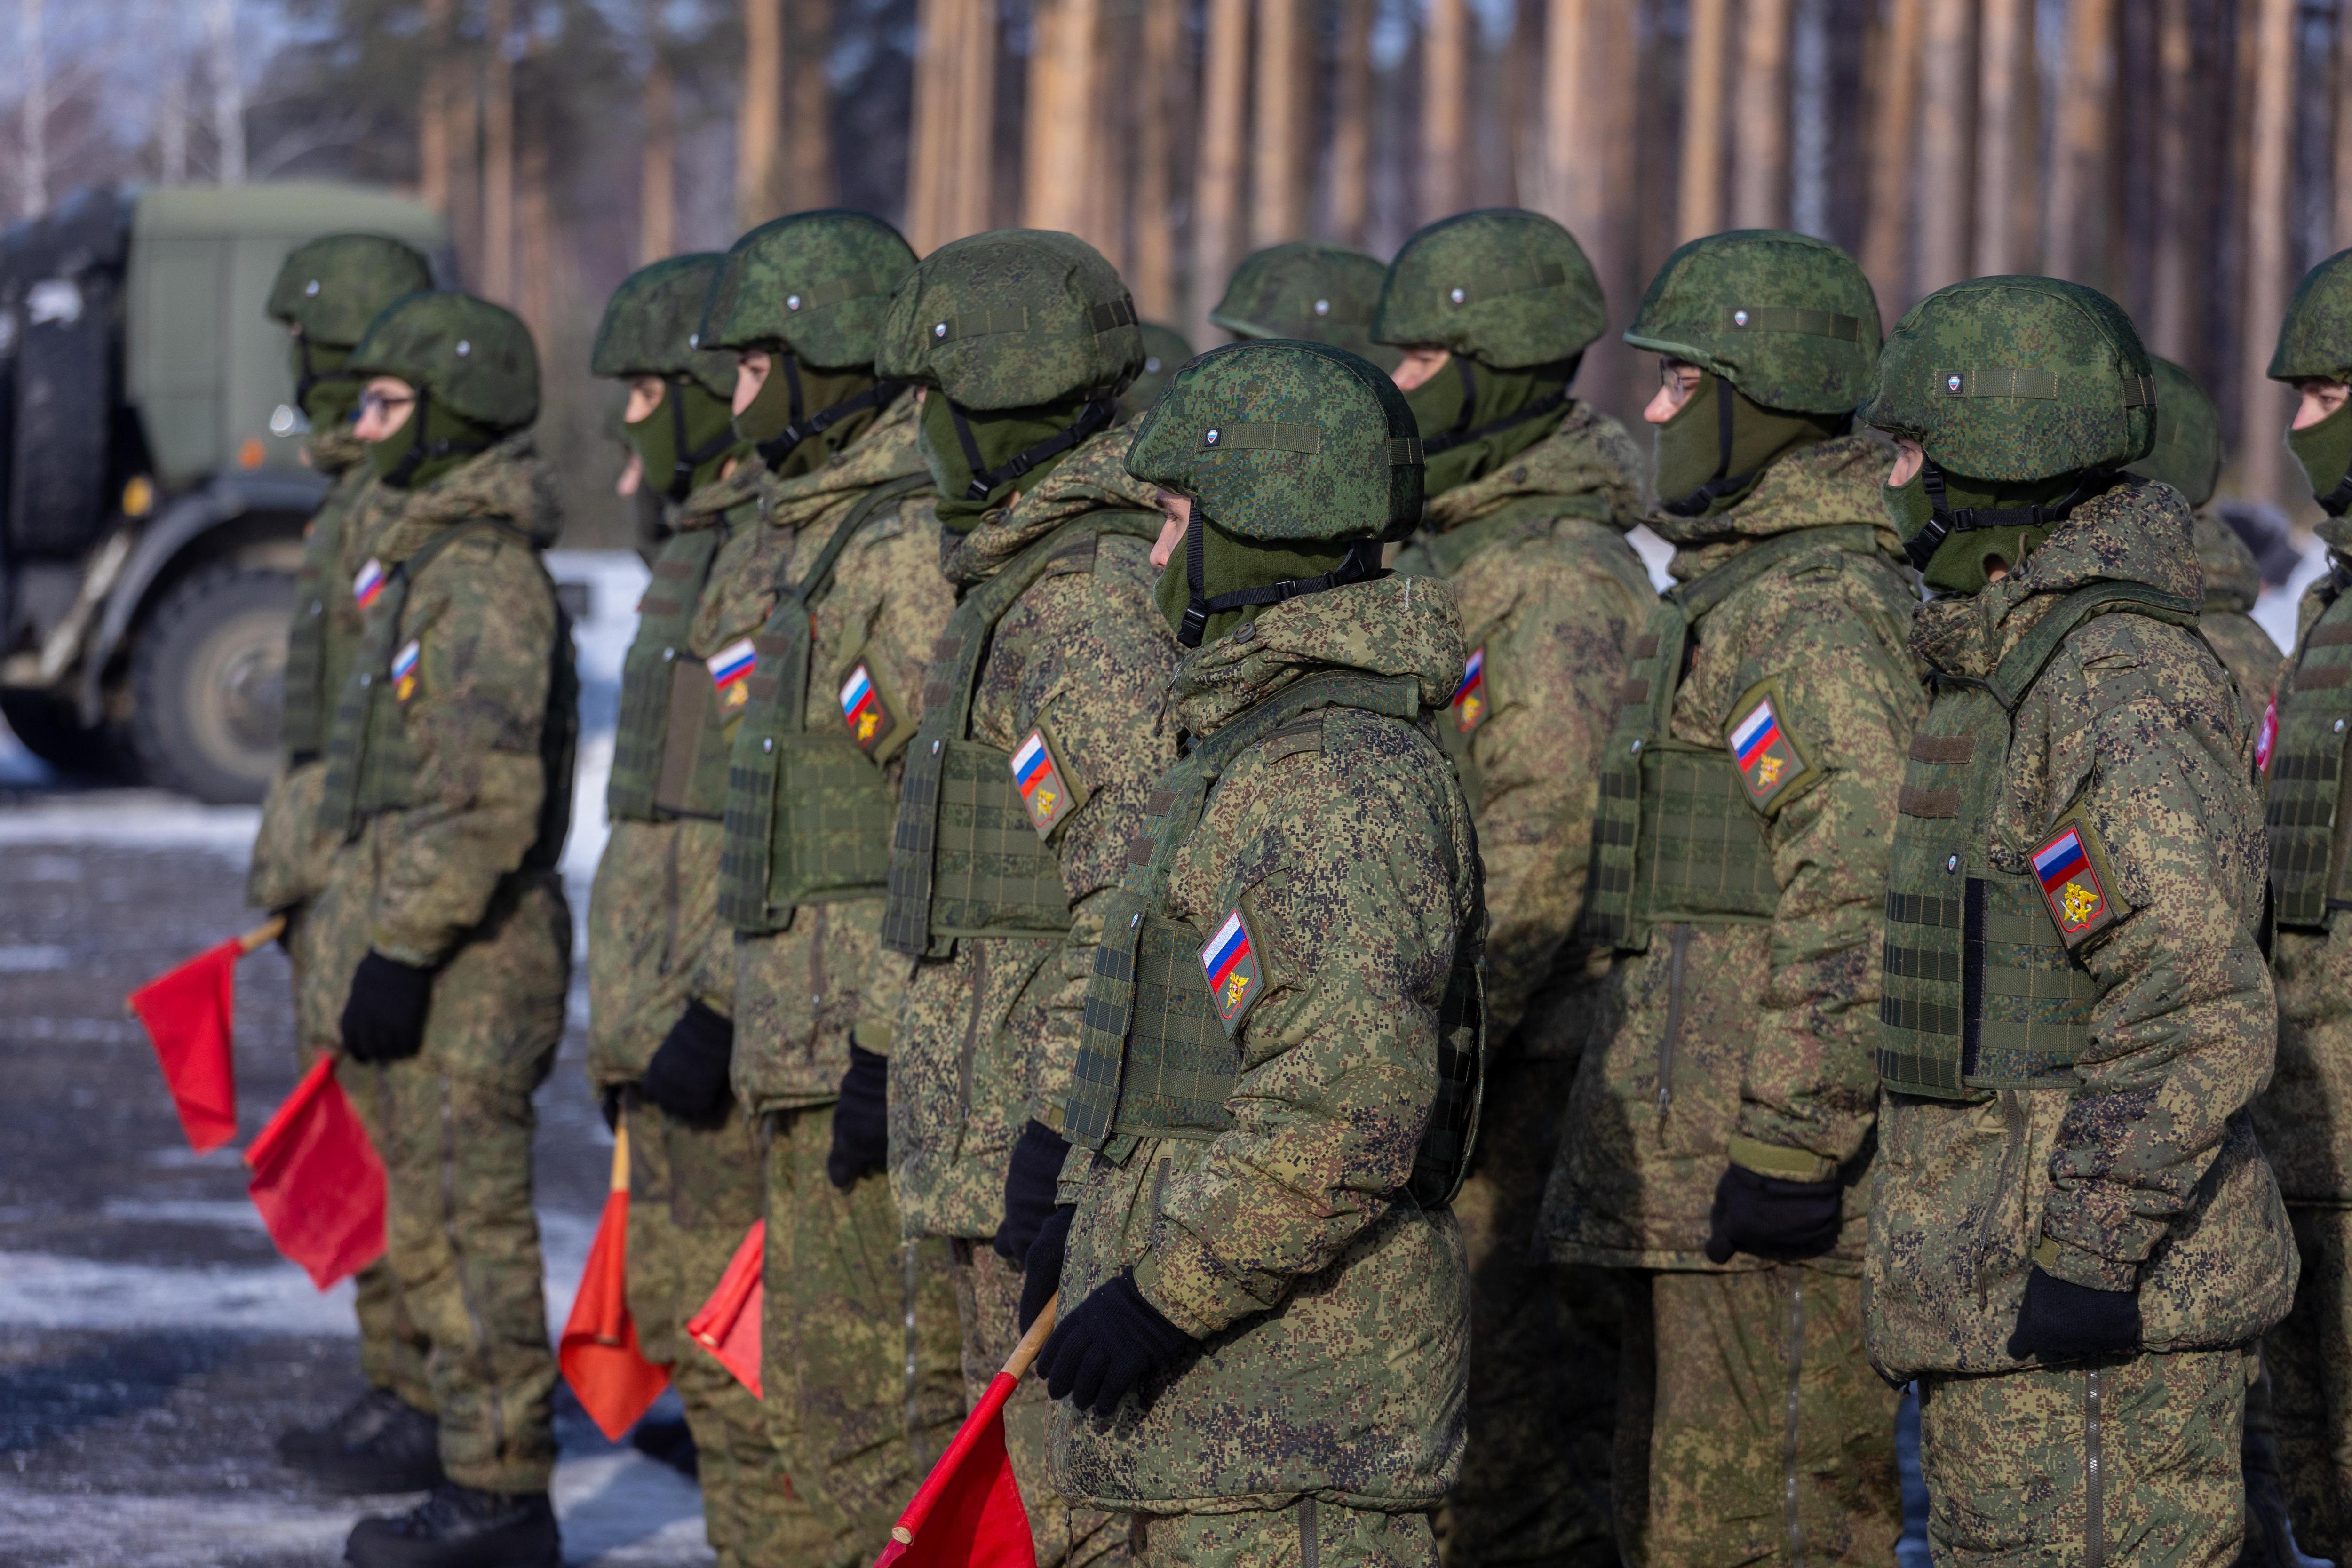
{"type": "Point", "coordinates": [731, 673]}
{"type": "Point", "coordinates": [1229, 961]}
{"type": "Point", "coordinates": [2071, 886]}
{"type": "Point", "coordinates": [1770, 761]}
{"type": "Point", "coordinates": [404, 670]}
{"type": "Point", "coordinates": [368, 586]}
{"type": "Point", "coordinates": [1039, 779]}
{"type": "Point", "coordinates": [1470, 696]}
{"type": "Point", "coordinates": [869, 718]}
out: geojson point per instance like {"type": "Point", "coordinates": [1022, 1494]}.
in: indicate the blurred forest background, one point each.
{"type": "Point", "coordinates": [2191, 157]}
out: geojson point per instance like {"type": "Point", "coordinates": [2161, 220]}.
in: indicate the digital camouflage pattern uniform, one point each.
{"type": "Point", "coordinates": [449, 777]}
{"type": "Point", "coordinates": [2309, 1357]}
{"type": "Point", "coordinates": [1308, 289]}
{"type": "Point", "coordinates": [1271, 1151]}
{"type": "Point", "coordinates": [694, 1188]}
{"type": "Point", "coordinates": [1532, 543]}
{"type": "Point", "coordinates": [1006, 920]}
{"type": "Point", "coordinates": [2076, 1015]}
{"type": "Point", "coordinates": [331, 288]}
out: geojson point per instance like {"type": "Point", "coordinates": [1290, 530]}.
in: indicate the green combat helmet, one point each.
{"type": "Point", "coordinates": [1785, 328]}
{"type": "Point", "coordinates": [1164, 349]}
{"type": "Point", "coordinates": [649, 328]}
{"type": "Point", "coordinates": [1509, 295]}
{"type": "Point", "coordinates": [2188, 451]}
{"type": "Point", "coordinates": [1310, 290]}
{"type": "Point", "coordinates": [2028, 396]}
{"type": "Point", "coordinates": [331, 288]}
{"type": "Point", "coordinates": [1300, 460]}
{"type": "Point", "coordinates": [811, 288]}
{"type": "Point", "coordinates": [474, 370]}
{"type": "Point", "coordinates": [1029, 337]}
{"type": "Point", "coordinates": [2315, 343]}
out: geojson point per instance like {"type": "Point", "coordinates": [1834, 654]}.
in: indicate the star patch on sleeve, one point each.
{"type": "Point", "coordinates": [1770, 763]}
{"type": "Point", "coordinates": [2077, 882]}
{"type": "Point", "coordinates": [404, 670]}
{"type": "Point", "coordinates": [1470, 696]}
{"type": "Point", "coordinates": [865, 712]}
{"type": "Point", "coordinates": [1230, 960]}
{"type": "Point", "coordinates": [1045, 795]}
{"type": "Point", "coordinates": [731, 673]}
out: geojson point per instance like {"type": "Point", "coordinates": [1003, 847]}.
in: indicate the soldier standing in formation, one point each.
{"type": "Point", "coordinates": [1308, 292]}
{"type": "Point", "coordinates": [1531, 493]}
{"type": "Point", "coordinates": [327, 293]}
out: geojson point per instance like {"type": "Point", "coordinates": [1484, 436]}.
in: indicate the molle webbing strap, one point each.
{"type": "Point", "coordinates": [1497, 281]}
{"type": "Point", "coordinates": [2017, 381]}
{"type": "Point", "coordinates": [647, 678]}
{"type": "Point", "coordinates": [1096, 320]}
{"type": "Point", "coordinates": [1792, 318]}
{"type": "Point", "coordinates": [2024, 664]}
{"type": "Point", "coordinates": [1263, 436]}
{"type": "Point", "coordinates": [2305, 804]}
{"type": "Point", "coordinates": [837, 291]}
{"type": "Point", "coordinates": [804, 816]}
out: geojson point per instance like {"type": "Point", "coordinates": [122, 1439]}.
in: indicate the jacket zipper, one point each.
{"type": "Point", "coordinates": [2094, 1544]}
{"type": "Point", "coordinates": [1794, 1401]}
{"type": "Point", "coordinates": [1678, 947]}
{"type": "Point", "coordinates": [2014, 1129]}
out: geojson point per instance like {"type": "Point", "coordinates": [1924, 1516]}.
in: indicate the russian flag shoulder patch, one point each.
{"type": "Point", "coordinates": [1772, 765]}
{"type": "Point", "coordinates": [730, 672]}
{"type": "Point", "coordinates": [368, 586]}
{"type": "Point", "coordinates": [2070, 868]}
{"type": "Point", "coordinates": [404, 670]}
{"type": "Point", "coordinates": [1045, 793]}
{"type": "Point", "coordinates": [864, 709]}
{"type": "Point", "coordinates": [1236, 978]}
{"type": "Point", "coordinates": [1470, 696]}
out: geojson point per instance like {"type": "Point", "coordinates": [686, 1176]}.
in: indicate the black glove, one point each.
{"type": "Point", "coordinates": [1041, 1275]}
{"type": "Point", "coordinates": [1029, 1182]}
{"type": "Point", "coordinates": [2061, 1321]}
{"type": "Point", "coordinates": [688, 1077]}
{"type": "Point", "coordinates": [1099, 1353]}
{"type": "Point", "coordinates": [861, 1121]}
{"type": "Point", "coordinates": [384, 1019]}
{"type": "Point", "coordinates": [1772, 1217]}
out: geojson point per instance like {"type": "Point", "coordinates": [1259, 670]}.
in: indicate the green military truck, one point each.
{"type": "Point", "coordinates": [152, 491]}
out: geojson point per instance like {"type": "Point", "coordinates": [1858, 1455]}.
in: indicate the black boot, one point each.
{"type": "Point", "coordinates": [459, 1527]}
{"type": "Point", "coordinates": [380, 1444]}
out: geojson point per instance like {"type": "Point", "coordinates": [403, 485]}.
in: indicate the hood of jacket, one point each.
{"type": "Point", "coordinates": [335, 451]}
{"type": "Point", "coordinates": [885, 452]}
{"type": "Point", "coordinates": [1830, 484]}
{"type": "Point", "coordinates": [1589, 453]}
{"type": "Point", "coordinates": [1390, 626]}
{"type": "Point", "coordinates": [509, 481]}
{"type": "Point", "coordinates": [2137, 531]}
{"type": "Point", "coordinates": [1092, 478]}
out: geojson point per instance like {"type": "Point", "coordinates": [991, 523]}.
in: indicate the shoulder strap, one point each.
{"type": "Point", "coordinates": [424, 556]}
{"type": "Point", "coordinates": [1451, 551]}
{"type": "Point", "coordinates": [2023, 665]}
{"type": "Point", "coordinates": [1704, 593]}
{"type": "Point", "coordinates": [1397, 696]}
{"type": "Point", "coordinates": [819, 576]}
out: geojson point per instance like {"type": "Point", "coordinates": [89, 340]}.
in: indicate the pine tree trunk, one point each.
{"type": "Point", "coordinates": [1275, 193]}
{"type": "Point", "coordinates": [2176, 119]}
{"type": "Point", "coordinates": [1154, 227]}
{"type": "Point", "coordinates": [1895, 130]}
{"type": "Point", "coordinates": [1351, 124]}
{"type": "Point", "coordinates": [930, 113]}
{"type": "Point", "coordinates": [657, 184]}
{"type": "Point", "coordinates": [1057, 143]}
{"type": "Point", "coordinates": [432, 112]}
{"type": "Point", "coordinates": [1216, 205]}
{"type": "Point", "coordinates": [2075, 246]}
{"type": "Point", "coordinates": [2003, 81]}
{"type": "Point", "coordinates": [1950, 37]}
{"type": "Point", "coordinates": [760, 115]}
{"type": "Point", "coordinates": [812, 140]}
{"type": "Point", "coordinates": [1759, 148]}
{"type": "Point", "coordinates": [1571, 182]}
{"type": "Point", "coordinates": [1444, 108]}
{"type": "Point", "coordinates": [1698, 207]}
{"type": "Point", "coordinates": [2263, 403]}
{"type": "Point", "coordinates": [971, 202]}
{"type": "Point", "coordinates": [2342, 230]}
{"type": "Point", "coordinates": [498, 156]}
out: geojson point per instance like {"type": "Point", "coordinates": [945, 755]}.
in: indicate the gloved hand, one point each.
{"type": "Point", "coordinates": [2061, 1321]}
{"type": "Point", "coordinates": [1098, 1354]}
{"type": "Point", "coordinates": [1040, 1274]}
{"type": "Point", "coordinates": [383, 1021]}
{"type": "Point", "coordinates": [688, 1077]}
{"type": "Point", "coordinates": [1029, 1181]}
{"type": "Point", "coordinates": [1771, 1217]}
{"type": "Point", "coordinates": [861, 1121]}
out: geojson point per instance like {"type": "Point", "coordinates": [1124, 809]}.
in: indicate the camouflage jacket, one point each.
{"type": "Point", "coordinates": [1753, 1042]}
{"type": "Point", "coordinates": [2148, 1176]}
{"type": "Point", "coordinates": [2233, 581]}
{"type": "Point", "coordinates": [1550, 595]}
{"type": "Point", "coordinates": [1334, 1311]}
{"type": "Point", "coordinates": [987, 1037]}
{"type": "Point", "coordinates": [797, 995]}
{"type": "Point", "coordinates": [2300, 1116]}
{"type": "Point", "coordinates": [291, 855]}
{"type": "Point", "coordinates": [653, 913]}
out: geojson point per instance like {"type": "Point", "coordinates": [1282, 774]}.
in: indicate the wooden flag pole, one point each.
{"type": "Point", "coordinates": [265, 933]}
{"type": "Point", "coordinates": [1016, 1365]}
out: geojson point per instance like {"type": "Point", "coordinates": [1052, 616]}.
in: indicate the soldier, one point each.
{"type": "Point", "coordinates": [1265, 1322]}
{"type": "Point", "coordinates": [2309, 1357]}
{"type": "Point", "coordinates": [1310, 290]}
{"type": "Point", "coordinates": [327, 293]}
{"type": "Point", "coordinates": [1025, 782]}
{"type": "Point", "coordinates": [1164, 351]}
{"type": "Point", "coordinates": [1525, 521]}
{"type": "Point", "coordinates": [445, 942]}
{"type": "Point", "coordinates": [2074, 1238]}
{"type": "Point", "coordinates": [818, 630]}
{"type": "Point", "coordinates": [694, 1177]}
{"type": "Point", "coordinates": [1718, 1138]}
{"type": "Point", "coordinates": [2188, 457]}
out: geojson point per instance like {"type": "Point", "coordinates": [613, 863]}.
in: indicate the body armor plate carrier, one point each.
{"type": "Point", "coordinates": [668, 755]}
{"type": "Point", "coordinates": [2306, 809]}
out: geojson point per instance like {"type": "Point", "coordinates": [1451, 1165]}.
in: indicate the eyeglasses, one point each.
{"type": "Point", "coordinates": [1678, 376]}
{"type": "Point", "coordinates": [377, 403]}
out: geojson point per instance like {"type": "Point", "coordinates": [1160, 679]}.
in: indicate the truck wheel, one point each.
{"type": "Point", "coordinates": [208, 679]}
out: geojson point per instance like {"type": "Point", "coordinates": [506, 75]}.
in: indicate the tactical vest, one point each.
{"type": "Point", "coordinates": [1154, 1060]}
{"type": "Point", "coordinates": [964, 860]}
{"type": "Point", "coordinates": [808, 815]}
{"type": "Point", "coordinates": [2306, 809]}
{"type": "Point", "coordinates": [669, 750]}
{"type": "Point", "coordinates": [318, 648]}
{"type": "Point", "coordinates": [371, 761]}
{"type": "Point", "coordinates": [1979, 991]}
{"type": "Point", "coordinates": [1676, 839]}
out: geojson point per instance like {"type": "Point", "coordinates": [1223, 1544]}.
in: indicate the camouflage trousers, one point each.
{"type": "Point", "coordinates": [1750, 1426]}
{"type": "Point", "coordinates": [693, 1192]}
{"type": "Point", "coordinates": [1306, 1534]}
{"type": "Point", "coordinates": [988, 1299]}
{"type": "Point", "coordinates": [858, 1346]}
{"type": "Point", "coordinates": [2120, 1461]}
{"type": "Point", "coordinates": [2309, 1357]}
{"type": "Point", "coordinates": [1543, 1353]}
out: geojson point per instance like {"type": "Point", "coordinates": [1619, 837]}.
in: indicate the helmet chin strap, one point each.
{"type": "Point", "coordinates": [1363, 561]}
{"type": "Point", "coordinates": [421, 451]}
{"type": "Point", "coordinates": [684, 462]}
{"type": "Point", "coordinates": [774, 450]}
{"type": "Point", "coordinates": [1463, 431]}
{"type": "Point", "coordinates": [1724, 482]}
{"type": "Point", "coordinates": [1944, 522]}
{"type": "Point", "coordinates": [1095, 415]}
{"type": "Point", "coordinates": [2337, 502]}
